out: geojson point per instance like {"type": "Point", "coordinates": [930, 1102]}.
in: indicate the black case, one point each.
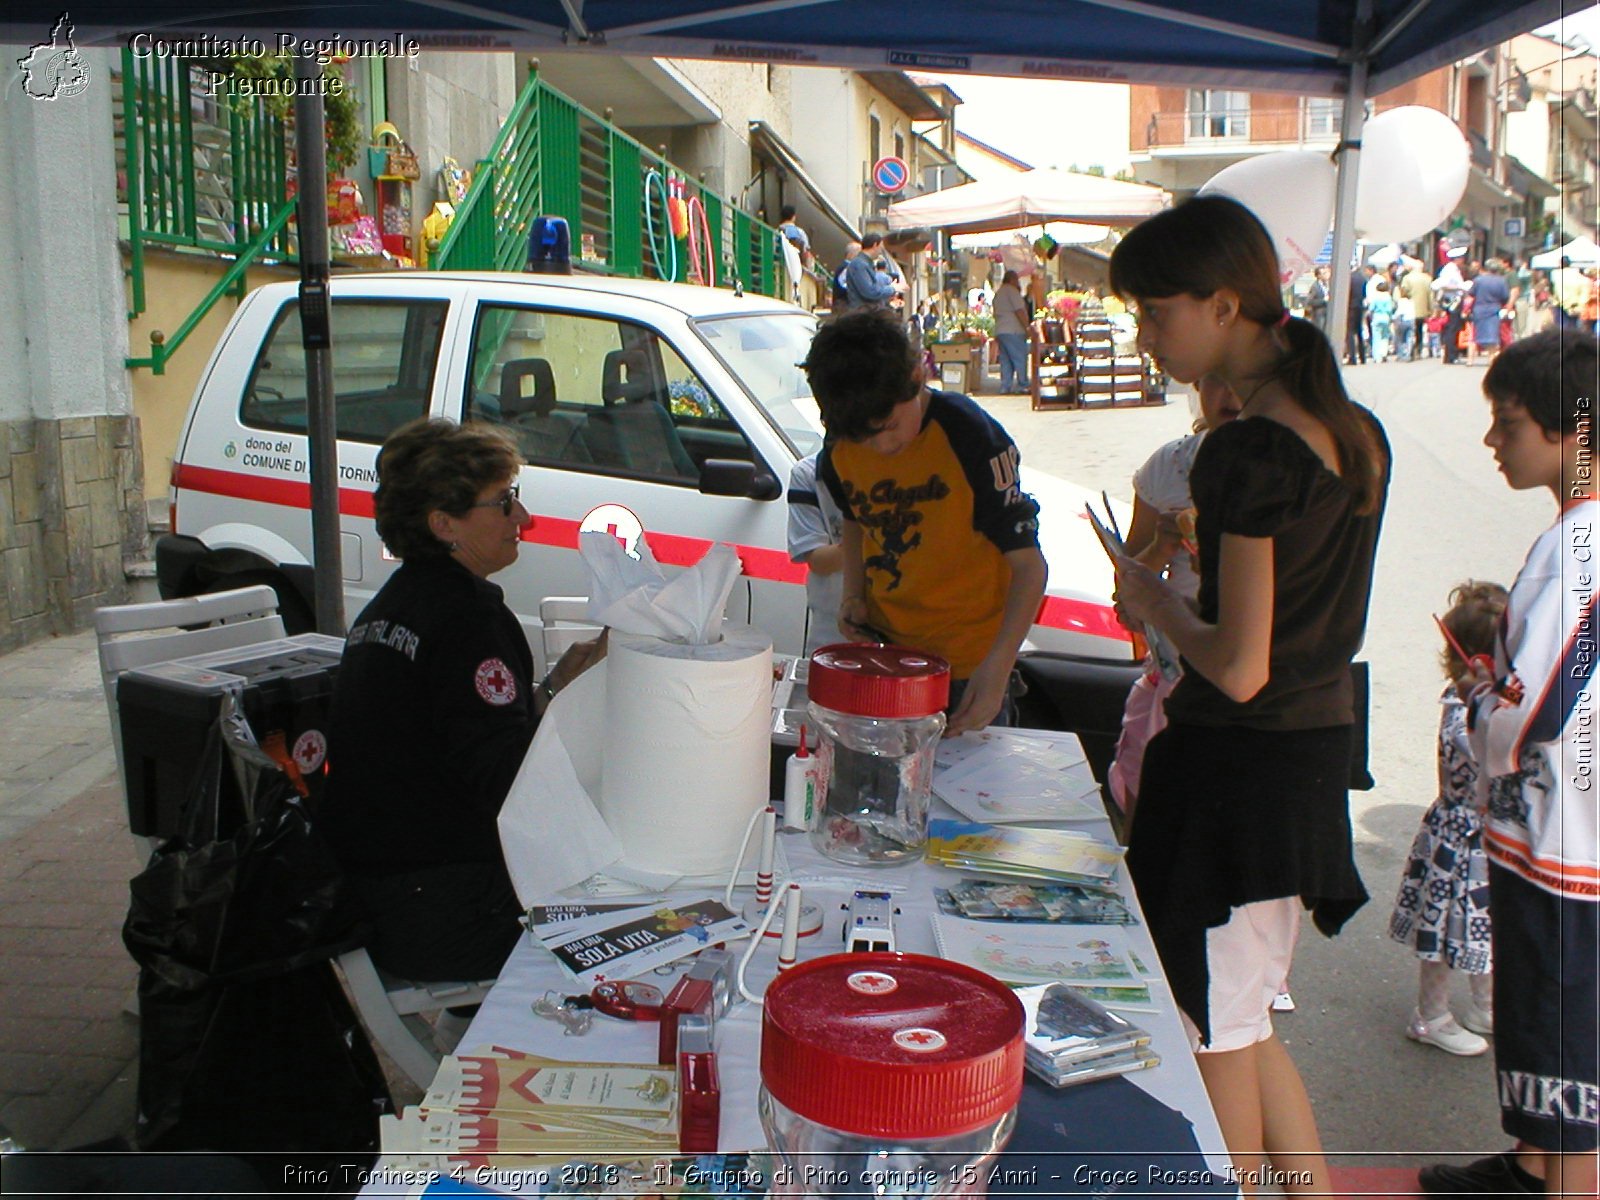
{"type": "Point", "coordinates": [166, 710]}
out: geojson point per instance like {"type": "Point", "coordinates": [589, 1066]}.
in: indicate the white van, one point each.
{"type": "Point", "coordinates": [639, 406]}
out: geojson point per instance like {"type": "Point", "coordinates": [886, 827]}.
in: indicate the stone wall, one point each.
{"type": "Point", "coordinates": [71, 511]}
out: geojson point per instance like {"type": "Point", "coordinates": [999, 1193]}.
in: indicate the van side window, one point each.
{"type": "Point", "coordinates": [385, 353]}
{"type": "Point", "coordinates": [596, 394]}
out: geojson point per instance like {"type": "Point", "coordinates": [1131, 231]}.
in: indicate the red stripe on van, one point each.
{"type": "Point", "coordinates": [288, 492]}
{"type": "Point", "coordinates": [1055, 612]}
{"type": "Point", "coordinates": [675, 550]}
{"type": "Point", "coordinates": [1081, 616]}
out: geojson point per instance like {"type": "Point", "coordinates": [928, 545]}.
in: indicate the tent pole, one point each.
{"type": "Point", "coordinates": [1348, 160]}
{"type": "Point", "coordinates": [317, 340]}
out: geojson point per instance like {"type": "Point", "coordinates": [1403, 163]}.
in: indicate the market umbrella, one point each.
{"type": "Point", "coordinates": [1066, 233]}
{"type": "Point", "coordinates": [1580, 250]}
{"type": "Point", "coordinates": [1030, 198]}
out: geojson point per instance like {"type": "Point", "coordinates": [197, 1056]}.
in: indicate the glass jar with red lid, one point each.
{"type": "Point", "coordinates": [878, 711]}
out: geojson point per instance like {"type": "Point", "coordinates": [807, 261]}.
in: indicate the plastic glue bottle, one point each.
{"type": "Point", "coordinates": [799, 787]}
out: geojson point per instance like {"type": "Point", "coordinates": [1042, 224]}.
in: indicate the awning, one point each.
{"type": "Point", "coordinates": [1029, 198]}
{"type": "Point", "coordinates": [778, 152]}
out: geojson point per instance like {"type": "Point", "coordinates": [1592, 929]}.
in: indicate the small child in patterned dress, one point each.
{"type": "Point", "coordinates": [1442, 911]}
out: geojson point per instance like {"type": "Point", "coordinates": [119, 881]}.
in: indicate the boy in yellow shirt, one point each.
{"type": "Point", "coordinates": [941, 545]}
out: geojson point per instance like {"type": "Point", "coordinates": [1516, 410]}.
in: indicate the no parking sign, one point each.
{"type": "Point", "coordinates": [890, 174]}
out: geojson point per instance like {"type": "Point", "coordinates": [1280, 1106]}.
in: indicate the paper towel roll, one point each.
{"type": "Point", "coordinates": [688, 731]}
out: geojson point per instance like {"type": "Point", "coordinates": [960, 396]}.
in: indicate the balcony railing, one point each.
{"type": "Point", "coordinates": [199, 168]}
{"type": "Point", "coordinates": [1233, 126]}
{"type": "Point", "coordinates": [553, 157]}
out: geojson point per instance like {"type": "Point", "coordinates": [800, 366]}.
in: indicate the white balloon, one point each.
{"type": "Point", "coordinates": [1291, 192]}
{"type": "Point", "coordinates": [1413, 171]}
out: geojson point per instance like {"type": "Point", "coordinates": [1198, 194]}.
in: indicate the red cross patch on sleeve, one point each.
{"type": "Point", "coordinates": [495, 682]}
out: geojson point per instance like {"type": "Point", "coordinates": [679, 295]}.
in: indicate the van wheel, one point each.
{"type": "Point", "coordinates": [296, 613]}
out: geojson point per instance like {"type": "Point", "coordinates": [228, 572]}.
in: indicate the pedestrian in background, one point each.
{"type": "Point", "coordinates": [1442, 910]}
{"type": "Point", "coordinates": [1417, 289]}
{"type": "Point", "coordinates": [841, 294]}
{"type": "Point", "coordinates": [1012, 316]}
{"type": "Point", "coordinates": [1450, 290]}
{"type": "Point", "coordinates": [792, 231]}
{"type": "Point", "coordinates": [1491, 301]}
{"type": "Point", "coordinates": [871, 279]}
{"type": "Point", "coordinates": [1568, 290]}
{"type": "Point", "coordinates": [1355, 332]}
{"type": "Point", "coordinates": [1317, 299]}
{"type": "Point", "coordinates": [1380, 315]}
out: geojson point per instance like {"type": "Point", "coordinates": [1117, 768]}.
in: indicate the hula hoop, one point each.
{"type": "Point", "coordinates": [705, 270]}
{"type": "Point", "coordinates": [654, 178]}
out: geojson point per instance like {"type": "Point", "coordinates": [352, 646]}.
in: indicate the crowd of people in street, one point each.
{"type": "Point", "coordinates": [1462, 314]}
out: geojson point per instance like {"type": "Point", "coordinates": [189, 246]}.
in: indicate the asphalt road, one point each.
{"type": "Point", "coordinates": [1380, 1098]}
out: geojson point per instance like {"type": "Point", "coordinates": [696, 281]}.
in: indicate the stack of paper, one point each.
{"type": "Point", "coordinates": [1061, 855]}
{"type": "Point", "coordinates": [1071, 1039]}
{"type": "Point", "coordinates": [508, 1102]}
{"type": "Point", "coordinates": [1097, 961]}
{"type": "Point", "coordinates": [1049, 903]}
{"type": "Point", "coordinates": [1001, 775]}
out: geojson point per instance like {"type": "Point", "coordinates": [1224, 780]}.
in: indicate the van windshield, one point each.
{"type": "Point", "coordinates": [764, 352]}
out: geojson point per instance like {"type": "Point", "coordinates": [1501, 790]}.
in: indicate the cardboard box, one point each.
{"type": "Point", "coordinates": [944, 352]}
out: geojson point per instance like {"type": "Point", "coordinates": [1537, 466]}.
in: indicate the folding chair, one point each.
{"type": "Point", "coordinates": [391, 1008]}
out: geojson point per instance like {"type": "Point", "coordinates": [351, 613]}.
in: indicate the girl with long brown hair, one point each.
{"type": "Point", "coordinates": [1243, 814]}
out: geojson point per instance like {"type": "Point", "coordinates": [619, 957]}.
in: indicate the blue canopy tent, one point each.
{"type": "Point", "coordinates": [1347, 48]}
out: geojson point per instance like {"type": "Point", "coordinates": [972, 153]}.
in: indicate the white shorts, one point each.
{"type": "Point", "coordinates": [1248, 960]}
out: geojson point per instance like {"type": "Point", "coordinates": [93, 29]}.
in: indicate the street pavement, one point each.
{"type": "Point", "coordinates": [67, 1048]}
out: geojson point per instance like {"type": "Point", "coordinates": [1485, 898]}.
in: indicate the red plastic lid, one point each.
{"type": "Point", "coordinates": [869, 679]}
{"type": "Point", "coordinates": [892, 1045]}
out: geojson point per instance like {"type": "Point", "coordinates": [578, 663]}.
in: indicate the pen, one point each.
{"type": "Point", "coordinates": [1111, 516]}
{"type": "Point", "coordinates": [1472, 660]}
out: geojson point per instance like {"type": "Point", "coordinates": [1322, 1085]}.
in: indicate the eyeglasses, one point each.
{"type": "Point", "coordinates": [505, 501]}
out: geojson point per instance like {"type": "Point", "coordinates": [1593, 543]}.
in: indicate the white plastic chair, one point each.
{"type": "Point", "coordinates": [141, 635]}
{"type": "Point", "coordinates": [391, 1008]}
{"type": "Point", "coordinates": [564, 622]}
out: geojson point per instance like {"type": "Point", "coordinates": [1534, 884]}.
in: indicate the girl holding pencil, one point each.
{"type": "Point", "coordinates": [1243, 814]}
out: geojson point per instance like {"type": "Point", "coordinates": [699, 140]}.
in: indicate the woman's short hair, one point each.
{"type": "Point", "coordinates": [436, 464]}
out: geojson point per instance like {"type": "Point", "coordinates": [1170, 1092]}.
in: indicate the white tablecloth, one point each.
{"type": "Point", "coordinates": [507, 1020]}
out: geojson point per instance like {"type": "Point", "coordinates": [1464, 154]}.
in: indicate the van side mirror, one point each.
{"type": "Point", "coordinates": [736, 477]}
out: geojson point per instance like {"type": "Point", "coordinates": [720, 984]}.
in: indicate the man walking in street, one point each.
{"type": "Point", "coordinates": [871, 279]}
{"type": "Point", "coordinates": [1416, 290]}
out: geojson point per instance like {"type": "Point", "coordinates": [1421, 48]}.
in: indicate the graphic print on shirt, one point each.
{"type": "Point", "coordinates": [889, 516]}
{"type": "Point", "coordinates": [1004, 467]}
{"type": "Point", "coordinates": [495, 682]}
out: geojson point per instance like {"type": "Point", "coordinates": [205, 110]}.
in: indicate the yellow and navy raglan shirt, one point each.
{"type": "Point", "coordinates": [936, 522]}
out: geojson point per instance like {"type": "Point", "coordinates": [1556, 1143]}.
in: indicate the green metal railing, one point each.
{"type": "Point", "coordinates": [554, 157]}
{"type": "Point", "coordinates": [162, 346]}
{"type": "Point", "coordinates": [204, 172]}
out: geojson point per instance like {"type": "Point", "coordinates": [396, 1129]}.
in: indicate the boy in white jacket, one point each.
{"type": "Point", "coordinates": [1534, 726]}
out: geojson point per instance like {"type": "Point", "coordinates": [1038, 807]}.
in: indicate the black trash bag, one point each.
{"type": "Point", "coordinates": [246, 1040]}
